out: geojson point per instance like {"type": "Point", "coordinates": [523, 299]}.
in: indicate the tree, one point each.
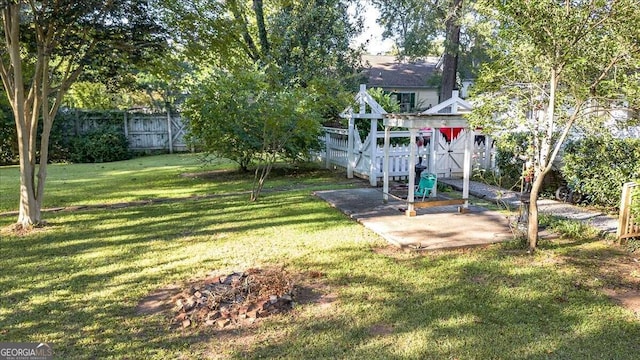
{"type": "Point", "coordinates": [289, 54]}
{"type": "Point", "coordinates": [241, 117]}
{"type": "Point", "coordinates": [435, 27]}
{"type": "Point", "coordinates": [557, 66]}
{"type": "Point", "coordinates": [296, 41]}
{"type": "Point", "coordinates": [47, 46]}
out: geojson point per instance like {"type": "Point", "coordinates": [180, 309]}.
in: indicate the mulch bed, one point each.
{"type": "Point", "coordinates": [234, 299]}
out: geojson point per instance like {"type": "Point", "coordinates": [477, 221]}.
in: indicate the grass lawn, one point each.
{"type": "Point", "coordinates": [76, 283]}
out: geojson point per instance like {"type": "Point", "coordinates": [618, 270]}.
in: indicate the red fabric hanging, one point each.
{"type": "Point", "coordinates": [451, 133]}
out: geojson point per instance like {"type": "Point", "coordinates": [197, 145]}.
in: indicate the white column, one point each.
{"type": "Point", "coordinates": [433, 156]}
{"type": "Point", "coordinates": [487, 152]}
{"type": "Point", "coordinates": [454, 106]}
{"type": "Point", "coordinates": [373, 153]}
{"type": "Point", "coordinates": [412, 171]}
{"type": "Point", "coordinates": [363, 104]}
{"type": "Point", "coordinates": [468, 148]}
{"type": "Point", "coordinates": [385, 164]}
{"type": "Point", "coordinates": [350, 150]}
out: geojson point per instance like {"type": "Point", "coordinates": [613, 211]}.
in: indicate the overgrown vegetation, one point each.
{"type": "Point", "coordinates": [8, 140]}
{"type": "Point", "coordinates": [510, 159]}
{"type": "Point", "coordinates": [511, 154]}
{"type": "Point", "coordinates": [103, 144]}
{"type": "Point", "coordinates": [76, 283]}
{"type": "Point", "coordinates": [599, 166]}
{"type": "Point", "coordinates": [102, 141]}
{"type": "Point", "coordinates": [243, 117]}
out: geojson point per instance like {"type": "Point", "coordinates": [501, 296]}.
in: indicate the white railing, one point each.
{"type": "Point", "coordinates": [448, 158]}
{"type": "Point", "coordinates": [628, 226]}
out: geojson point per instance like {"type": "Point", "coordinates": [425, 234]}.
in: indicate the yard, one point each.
{"type": "Point", "coordinates": [78, 282]}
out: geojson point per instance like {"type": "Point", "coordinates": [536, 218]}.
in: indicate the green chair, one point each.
{"type": "Point", "coordinates": [428, 182]}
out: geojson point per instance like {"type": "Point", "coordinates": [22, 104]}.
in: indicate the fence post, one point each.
{"type": "Point", "coordinates": [76, 123]}
{"type": "Point", "coordinates": [169, 131]}
{"type": "Point", "coordinates": [468, 146]}
{"type": "Point", "coordinates": [625, 210]}
{"type": "Point", "coordinates": [126, 126]}
{"type": "Point", "coordinates": [487, 152]}
{"type": "Point", "coordinates": [350, 148]}
{"type": "Point", "coordinates": [327, 139]}
{"type": "Point", "coordinates": [385, 164]}
{"type": "Point", "coordinates": [373, 151]}
{"type": "Point", "coordinates": [433, 157]}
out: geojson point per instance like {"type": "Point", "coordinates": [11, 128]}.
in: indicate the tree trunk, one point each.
{"type": "Point", "coordinates": [450, 57]}
{"type": "Point", "coordinates": [262, 29]}
{"type": "Point", "coordinates": [25, 110]}
{"type": "Point", "coordinates": [29, 206]}
{"type": "Point", "coordinates": [544, 157]}
{"type": "Point", "coordinates": [249, 45]}
{"type": "Point", "coordinates": [532, 221]}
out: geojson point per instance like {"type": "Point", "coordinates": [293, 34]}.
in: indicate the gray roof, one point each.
{"type": "Point", "coordinates": [387, 71]}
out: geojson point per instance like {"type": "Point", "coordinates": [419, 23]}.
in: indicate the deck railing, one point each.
{"type": "Point", "coordinates": [628, 225]}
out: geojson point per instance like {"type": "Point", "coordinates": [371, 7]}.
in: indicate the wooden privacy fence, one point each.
{"type": "Point", "coordinates": [145, 132]}
{"type": "Point", "coordinates": [628, 225]}
{"type": "Point", "coordinates": [369, 154]}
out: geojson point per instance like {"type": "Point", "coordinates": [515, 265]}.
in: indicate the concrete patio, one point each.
{"type": "Point", "coordinates": [433, 228]}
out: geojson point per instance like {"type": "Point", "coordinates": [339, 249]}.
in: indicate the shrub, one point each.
{"type": "Point", "coordinates": [240, 116]}
{"type": "Point", "coordinates": [598, 166]}
{"type": "Point", "coordinates": [8, 137]}
{"type": "Point", "coordinates": [102, 144]}
{"type": "Point", "coordinates": [510, 151]}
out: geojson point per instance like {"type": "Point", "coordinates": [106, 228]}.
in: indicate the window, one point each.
{"type": "Point", "coordinates": [407, 101]}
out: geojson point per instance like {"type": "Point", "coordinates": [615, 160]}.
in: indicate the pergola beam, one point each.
{"type": "Point", "coordinates": [415, 122]}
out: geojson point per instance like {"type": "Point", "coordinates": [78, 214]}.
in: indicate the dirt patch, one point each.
{"type": "Point", "coordinates": [21, 230]}
{"type": "Point", "coordinates": [236, 300]}
{"type": "Point", "coordinates": [612, 271]}
{"type": "Point", "coordinates": [628, 298]}
{"type": "Point", "coordinates": [157, 301]}
{"type": "Point", "coordinates": [622, 276]}
{"type": "Point", "coordinates": [381, 330]}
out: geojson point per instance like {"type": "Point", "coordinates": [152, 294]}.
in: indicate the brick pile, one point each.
{"type": "Point", "coordinates": [234, 299]}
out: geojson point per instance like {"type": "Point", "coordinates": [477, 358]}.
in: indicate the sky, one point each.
{"type": "Point", "coordinates": [373, 32]}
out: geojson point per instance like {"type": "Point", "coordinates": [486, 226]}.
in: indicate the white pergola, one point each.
{"type": "Point", "coordinates": [434, 120]}
{"type": "Point", "coordinates": [376, 112]}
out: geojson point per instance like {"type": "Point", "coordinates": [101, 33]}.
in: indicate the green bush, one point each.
{"type": "Point", "coordinates": [8, 137]}
{"type": "Point", "coordinates": [241, 116]}
{"type": "Point", "coordinates": [599, 166]}
{"type": "Point", "coordinates": [509, 159]}
{"type": "Point", "coordinates": [103, 144]}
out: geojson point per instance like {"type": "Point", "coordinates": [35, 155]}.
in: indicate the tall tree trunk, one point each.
{"type": "Point", "coordinates": [25, 111]}
{"type": "Point", "coordinates": [452, 46]}
{"type": "Point", "coordinates": [249, 45]}
{"type": "Point", "coordinates": [262, 29]}
{"type": "Point", "coordinates": [544, 157]}
{"type": "Point", "coordinates": [29, 209]}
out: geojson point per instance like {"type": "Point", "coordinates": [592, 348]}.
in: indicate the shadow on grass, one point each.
{"type": "Point", "coordinates": [77, 286]}
{"type": "Point", "coordinates": [442, 306]}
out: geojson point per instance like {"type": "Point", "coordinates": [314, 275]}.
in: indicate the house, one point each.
{"type": "Point", "coordinates": [411, 83]}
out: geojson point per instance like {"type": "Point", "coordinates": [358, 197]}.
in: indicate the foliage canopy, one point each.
{"type": "Point", "coordinates": [239, 116]}
{"type": "Point", "coordinates": [557, 65]}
